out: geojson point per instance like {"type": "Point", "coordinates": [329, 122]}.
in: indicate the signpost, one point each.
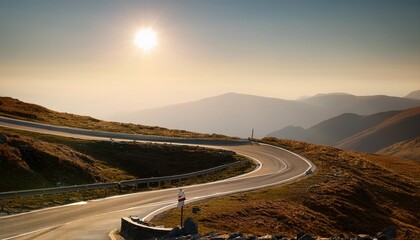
{"type": "Point", "coordinates": [181, 202]}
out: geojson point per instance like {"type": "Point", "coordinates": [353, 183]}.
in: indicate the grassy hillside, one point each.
{"type": "Point", "coordinates": [409, 149]}
{"type": "Point", "coordinates": [32, 160]}
{"type": "Point", "coordinates": [10, 107]}
{"type": "Point", "coordinates": [349, 193]}
{"type": "Point", "coordinates": [400, 127]}
{"type": "Point", "coordinates": [28, 163]}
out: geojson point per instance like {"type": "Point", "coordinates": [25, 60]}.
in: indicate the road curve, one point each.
{"type": "Point", "coordinates": [96, 218]}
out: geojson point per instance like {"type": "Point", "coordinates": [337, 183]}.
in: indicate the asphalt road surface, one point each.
{"type": "Point", "coordinates": [96, 218]}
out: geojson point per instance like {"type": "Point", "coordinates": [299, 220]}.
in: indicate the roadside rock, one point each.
{"type": "Point", "coordinates": [3, 139]}
{"type": "Point", "coordinates": [237, 235]}
{"type": "Point", "coordinates": [278, 237]}
{"type": "Point", "coordinates": [190, 227]}
{"type": "Point", "coordinates": [363, 237]}
{"type": "Point", "coordinates": [190, 232]}
{"type": "Point", "coordinates": [174, 233]}
{"type": "Point", "coordinates": [388, 233]}
{"type": "Point", "coordinates": [304, 236]}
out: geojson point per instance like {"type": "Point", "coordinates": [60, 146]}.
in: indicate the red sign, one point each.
{"type": "Point", "coordinates": [181, 198]}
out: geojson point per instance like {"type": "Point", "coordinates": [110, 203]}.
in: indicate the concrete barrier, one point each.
{"type": "Point", "coordinates": [132, 229]}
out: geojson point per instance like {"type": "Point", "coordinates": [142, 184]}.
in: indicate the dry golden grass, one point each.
{"type": "Point", "coordinates": [28, 162]}
{"type": "Point", "coordinates": [349, 193]}
{"type": "Point", "coordinates": [409, 149]}
{"type": "Point", "coordinates": [32, 160]}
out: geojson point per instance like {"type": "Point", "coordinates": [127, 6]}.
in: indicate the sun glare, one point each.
{"type": "Point", "coordinates": [146, 39]}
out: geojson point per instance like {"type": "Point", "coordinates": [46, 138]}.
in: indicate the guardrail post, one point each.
{"type": "Point", "coordinates": [42, 200]}
{"type": "Point", "coordinates": [85, 189]}
{"type": "Point", "coordinates": [83, 194]}
{"type": "Point", "coordinates": [119, 188]}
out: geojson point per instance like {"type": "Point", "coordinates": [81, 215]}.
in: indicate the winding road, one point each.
{"type": "Point", "coordinates": [96, 218]}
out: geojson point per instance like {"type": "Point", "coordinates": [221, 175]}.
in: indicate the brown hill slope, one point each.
{"type": "Point", "coordinates": [32, 160]}
{"type": "Point", "coordinates": [403, 126]}
{"type": "Point", "coordinates": [27, 163]}
{"type": "Point", "coordinates": [349, 193]}
{"type": "Point", "coordinates": [409, 149]}
{"type": "Point", "coordinates": [10, 107]}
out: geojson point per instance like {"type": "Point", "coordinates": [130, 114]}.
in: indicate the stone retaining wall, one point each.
{"type": "Point", "coordinates": [133, 229]}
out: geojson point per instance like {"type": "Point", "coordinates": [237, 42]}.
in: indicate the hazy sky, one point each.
{"type": "Point", "coordinates": [79, 56]}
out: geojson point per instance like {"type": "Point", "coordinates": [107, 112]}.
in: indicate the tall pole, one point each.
{"type": "Point", "coordinates": [181, 201]}
{"type": "Point", "coordinates": [252, 135]}
{"type": "Point", "coordinates": [182, 215]}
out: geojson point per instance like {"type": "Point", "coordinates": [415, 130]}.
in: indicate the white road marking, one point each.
{"type": "Point", "coordinates": [168, 204]}
{"type": "Point", "coordinates": [45, 209]}
{"type": "Point", "coordinates": [79, 220]}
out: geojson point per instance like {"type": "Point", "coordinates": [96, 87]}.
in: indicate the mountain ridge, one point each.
{"type": "Point", "coordinates": [237, 114]}
{"type": "Point", "coordinates": [366, 133]}
{"type": "Point", "coordinates": [414, 95]}
{"type": "Point", "coordinates": [333, 130]}
{"type": "Point", "coordinates": [400, 127]}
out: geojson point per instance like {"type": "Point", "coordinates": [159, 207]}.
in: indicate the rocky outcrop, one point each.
{"type": "Point", "coordinates": [389, 233]}
{"type": "Point", "coordinates": [132, 228]}
{"type": "Point", "coordinates": [299, 236]}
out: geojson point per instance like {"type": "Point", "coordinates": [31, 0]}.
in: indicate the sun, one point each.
{"type": "Point", "coordinates": [146, 39]}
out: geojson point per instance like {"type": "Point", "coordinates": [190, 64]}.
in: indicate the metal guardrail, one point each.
{"type": "Point", "coordinates": [119, 185]}
{"type": "Point", "coordinates": [176, 177]}
{"type": "Point", "coordinates": [45, 191]}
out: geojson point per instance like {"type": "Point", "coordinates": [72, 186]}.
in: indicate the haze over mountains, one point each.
{"type": "Point", "coordinates": [334, 130]}
{"type": "Point", "coordinates": [414, 95]}
{"type": "Point", "coordinates": [368, 133]}
{"type": "Point", "coordinates": [237, 114]}
{"type": "Point", "coordinates": [401, 127]}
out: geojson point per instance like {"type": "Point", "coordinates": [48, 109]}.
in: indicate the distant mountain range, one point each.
{"type": "Point", "coordinates": [401, 127]}
{"type": "Point", "coordinates": [334, 130]}
{"type": "Point", "coordinates": [368, 133]}
{"type": "Point", "coordinates": [414, 95]}
{"type": "Point", "coordinates": [237, 114]}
